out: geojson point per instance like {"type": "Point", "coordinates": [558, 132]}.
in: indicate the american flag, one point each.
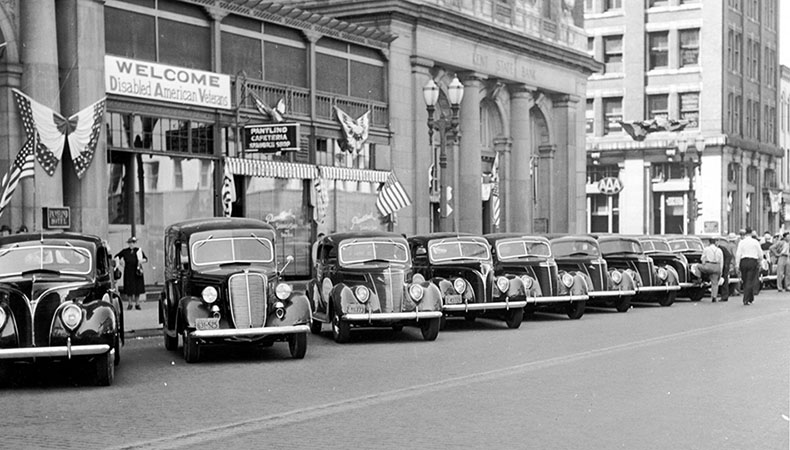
{"type": "Point", "coordinates": [392, 196]}
{"type": "Point", "coordinates": [51, 130]}
{"type": "Point", "coordinates": [228, 191]}
{"type": "Point", "coordinates": [321, 202]}
{"type": "Point", "coordinates": [22, 167]}
{"type": "Point", "coordinates": [495, 206]}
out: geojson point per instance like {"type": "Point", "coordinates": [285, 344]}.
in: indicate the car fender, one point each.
{"type": "Point", "coordinates": [9, 333]}
{"type": "Point", "coordinates": [297, 312]}
{"type": "Point", "coordinates": [99, 325]}
{"type": "Point", "coordinates": [189, 309]}
{"type": "Point", "coordinates": [342, 295]}
{"type": "Point", "coordinates": [627, 283]}
{"type": "Point", "coordinates": [431, 298]}
{"type": "Point", "coordinates": [581, 283]}
{"type": "Point", "coordinates": [446, 287]}
{"type": "Point", "coordinates": [515, 288]}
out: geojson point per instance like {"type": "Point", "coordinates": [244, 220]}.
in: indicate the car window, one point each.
{"type": "Point", "coordinates": [456, 249]}
{"type": "Point", "coordinates": [656, 245]}
{"type": "Point", "coordinates": [63, 259]}
{"type": "Point", "coordinates": [511, 249]}
{"type": "Point", "coordinates": [218, 250]}
{"type": "Point", "coordinates": [370, 250]}
{"type": "Point", "coordinates": [694, 244]}
{"type": "Point", "coordinates": [678, 245]}
{"type": "Point", "coordinates": [620, 246]}
{"type": "Point", "coordinates": [574, 248]}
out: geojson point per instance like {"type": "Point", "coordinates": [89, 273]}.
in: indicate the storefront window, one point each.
{"type": "Point", "coordinates": [352, 207]}
{"type": "Point", "coordinates": [669, 212]}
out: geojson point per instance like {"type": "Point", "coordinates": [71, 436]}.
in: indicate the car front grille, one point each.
{"type": "Point", "coordinates": [646, 272]}
{"type": "Point", "coordinates": [389, 286]}
{"type": "Point", "coordinates": [599, 275]}
{"type": "Point", "coordinates": [547, 278]}
{"type": "Point", "coordinates": [42, 317]}
{"type": "Point", "coordinates": [247, 300]}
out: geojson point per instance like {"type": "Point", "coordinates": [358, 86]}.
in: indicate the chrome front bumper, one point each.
{"type": "Point", "coordinates": [63, 351]}
{"type": "Point", "coordinates": [658, 288]}
{"type": "Point", "coordinates": [556, 299]}
{"type": "Point", "coordinates": [413, 315]}
{"type": "Point", "coordinates": [597, 294]}
{"type": "Point", "coordinates": [484, 306]}
{"type": "Point", "coordinates": [249, 332]}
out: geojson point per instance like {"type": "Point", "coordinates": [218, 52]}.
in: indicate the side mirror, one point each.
{"type": "Point", "coordinates": [288, 260]}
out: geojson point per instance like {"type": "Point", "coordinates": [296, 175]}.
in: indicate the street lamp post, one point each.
{"type": "Point", "coordinates": [691, 165]}
{"type": "Point", "coordinates": [447, 127]}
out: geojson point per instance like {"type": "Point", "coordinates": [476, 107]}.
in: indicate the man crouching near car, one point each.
{"type": "Point", "coordinates": [712, 264]}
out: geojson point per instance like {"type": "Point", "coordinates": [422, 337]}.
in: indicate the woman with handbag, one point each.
{"type": "Point", "coordinates": [131, 260]}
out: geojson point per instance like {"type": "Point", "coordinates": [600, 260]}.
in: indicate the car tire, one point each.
{"type": "Point", "coordinates": [341, 330]}
{"type": "Point", "coordinates": [315, 326]}
{"type": "Point", "coordinates": [669, 299]}
{"type": "Point", "coordinates": [117, 347]}
{"type": "Point", "coordinates": [171, 342]}
{"type": "Point", "coordinates": [514, 317]}
{"type": "Point", "coordinates": [104, 367]}
{"type": "Point", "coordinates": [623, 304]}
{"type": "Point", "coordinates": [297, 344]}
{"type": "Point", "coordinates": [470, 317]}
{"type": "Point", "coordinates": [443, 322]}
{"type": "Point", "coordinates": [191, 349]}
{"type": "Point", "coordinates": [697, 294]}
{"type": "Point", "coordinates": [430, 328]}
{"type": "Point", "coordinates": [576, 310]}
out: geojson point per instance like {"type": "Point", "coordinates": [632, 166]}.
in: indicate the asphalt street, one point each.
{"type": "Point", "coordinates": [692, 376]}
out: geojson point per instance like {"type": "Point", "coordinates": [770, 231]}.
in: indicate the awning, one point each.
{"type": "Point", "coordinates": [280, 169]}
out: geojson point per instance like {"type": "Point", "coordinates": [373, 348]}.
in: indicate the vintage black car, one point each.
{"type": "Point", "coordinates": [58, 302]}
{"type": "Point", "coordinates": [462, 267]}
{"type": "Point", "coordinates": [582, 254]}
{"type": "Point", "coordinates": [223, 285]}
{"type": "Point", "coordinates": [654, 282]}
{"type": "Point", "coordinates": [529, 259]}
{"type": "Point", "coordinates": [694, 287]}
{"type": "Point", "coordinates": [366, 279]}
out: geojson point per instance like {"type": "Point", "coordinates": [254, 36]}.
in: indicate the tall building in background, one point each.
{"type": "Point", "coordinates": [784, 137]}
{"type": "Point", "coordinates": [712, 65]}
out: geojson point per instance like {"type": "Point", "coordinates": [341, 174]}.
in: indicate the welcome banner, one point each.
{"type": "Point", "coordinates": [165, 83]}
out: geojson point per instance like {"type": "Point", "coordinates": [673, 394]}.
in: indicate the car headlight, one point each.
{"type": "Point", "coordinates": [567, 280]}
{"type": "Point", "coordinates": [416, 292]}
{"type": "Point", "coordinates": [279, 310]}
{"type": "Point", "coordinates": [71, 316]}
{"type": "Point", "coordinates": [527, 282]}
{"type": "Point", "coordinates": [459, 284]}
{"type": "Point", "coordinates": [3, 317]}
{"type": "Point", "coordinates": [362, 293]}
{"type": "Point", "coordinates": [209, 294]}
{"type": "Point", "coordinates": [662, 273]}
{"type": "Point", "coordinates": [502, 284]}
{"type": "Point", "coordinates": [283, 291]}
{"type": "Point", "coordinates": [617, 277]}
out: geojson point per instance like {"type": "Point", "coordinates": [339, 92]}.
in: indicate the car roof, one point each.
{"type": "Point", "coordinates": [423, 239]}
{"type": "Point", "coordinates": [493, 237]}
{"type": "Point", "coordinates": [341, 236]}
{"type": "Point", "coordinates": [54, 236]}
{"type": "Point", "coordinates": [191, 226]}
{"type": "Point", "coordinates": [562, 236]}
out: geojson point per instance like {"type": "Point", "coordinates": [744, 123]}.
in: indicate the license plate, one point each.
{"type": "Point", "coordinates": [453, 299]}
{"type": "Point", "coordinates": [207, 324]}
{"type": "Point", "coordinates": [356, 309]}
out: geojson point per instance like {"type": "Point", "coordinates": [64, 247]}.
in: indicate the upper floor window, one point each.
{"type": "Point", "coordinates": [589, 116]}
{"type": "Point", "coordinates": [756, 61]}
{"type": "Point", "coordinates": [689, 108]}
{"type": "Point", "coordinates": [613, 111]}
{"type": "Point", "coordinates": [658, 48]}
{"type": "Point", "coordinates": [689, 47]}
{"type": "Point", "coordinates": [658, 106]}
{"type": "Point", "coordinates": [657, 3]}
{"type": "Point", "coordinates": [613, 4]}
{"type": "Point", "coordinates": [613, 54]}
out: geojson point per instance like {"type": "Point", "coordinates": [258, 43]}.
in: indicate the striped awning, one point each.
{"type": "Point", "coordinates": [280, 169]}
{"type": "Point", "coordinates": [270, 169]}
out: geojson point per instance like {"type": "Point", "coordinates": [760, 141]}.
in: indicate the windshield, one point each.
{"type": "Point", "coordinates": [373, 250]}
{"type": "Point", "coordinates": [518, 248]}
{"type": "Point", "coordinates": [655, 245]}
{"type": "Point", "coordinates": [15, 260]}
{"type": "Point", "coordinates": [456, 249]}
{"type": "Point", "coordinates": [685, 244]}
{"type": "Point", "coordinates": [574, 248]}
{"type": "Point", "coordinates": [620, 246]}
{"type": "Point", "coordinates": [219, 250]}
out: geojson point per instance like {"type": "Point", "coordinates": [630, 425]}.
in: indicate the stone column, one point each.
{"type": "Point", "coordinates": [520, 201]}
{"type": "Point", "coordinates": [39, 58]}
{"type": "Point", "coordinates": [563, 169]}
{"type": "Point", "coordinates": [422, 155]}
{"type": "Point", "coordinates": [469, 186]}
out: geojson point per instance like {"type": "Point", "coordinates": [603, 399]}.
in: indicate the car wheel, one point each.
{"type": "Point", "coordinates": [104, 367]}
{"type": "Point", "coordinates": [470, 317]}
{"type": "Point", "coordinates": [398, 327]}
{"type": "Point", "coordinates": [623, 304]}
{"type": "Point", "coordinates": [697, 294]}
{"type": "Point", "coordinates": [315, 326]}
{"type": "Point", "coordinates": [529, 312]}
{"type": "Point", "coordinates": [443, 322]}
{"type": "Point", "coordinates": [297, 344]}
{"type": "Point", "coordinates": [576, 310]}
{"type": "Point", "coordinates": [191, 349]}
{"type": "Point", "coordinates": [430, 328]}
{"type": "Point", "coordinates": [171, 342]}
{"type": "Point", "coordinates": [341, 330]}
{"type": "Point", "coordinates": [669, 299]}
{"type": "Point", "coordinates": [117, 347]}
{"type": "Point", "coordinates": [514, 317]}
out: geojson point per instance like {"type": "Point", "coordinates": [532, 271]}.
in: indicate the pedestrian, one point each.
{"type": "Point", "coordinates": [22, 229]}
{"type": "Point", "coordinates": [747, 259]}
{"type": "Point", "coordinates": [5, 230]}
{"type": "Point", "coordinates": [781, 251]}
{"type": "Point", "coordinates": [131, 261]}
{"type": "Point", "coordinates": [728, 255]}
{"type": "Point", "coordinates": [711, 264]}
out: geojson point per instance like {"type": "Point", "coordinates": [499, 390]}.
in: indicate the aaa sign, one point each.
{"type": "Point", "coordinates": [610, 186]}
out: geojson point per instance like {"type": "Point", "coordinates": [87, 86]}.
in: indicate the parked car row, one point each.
{"type": "Point", "coordinates": [224, 285]}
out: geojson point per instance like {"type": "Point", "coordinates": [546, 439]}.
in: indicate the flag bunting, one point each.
{"type": "Point", "coordinates": [228, 191]}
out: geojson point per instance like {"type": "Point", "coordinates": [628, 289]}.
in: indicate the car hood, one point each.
{"type": "Point", "coordinates": [33, 287]}
{"type": "Point", "coordinates": [221, 273]}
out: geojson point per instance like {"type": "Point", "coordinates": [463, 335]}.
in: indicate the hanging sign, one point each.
{"type": "Point", "coordinates": [610, 186]}
{"type": "Point", "coordinates": [271, 138]}
{"type": "Point", "coordinates": [57, 217]}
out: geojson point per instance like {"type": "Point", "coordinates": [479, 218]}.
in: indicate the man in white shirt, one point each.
{"type": "Point", "coordinates": [747, 258]}
{"type": "Point", "coordinates": [712, 264]}
{"type": "Point", "coordinates": [780, 250]}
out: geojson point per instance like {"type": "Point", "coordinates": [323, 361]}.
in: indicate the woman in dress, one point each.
{"type": "Point", "coordinates": [131, 260]}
